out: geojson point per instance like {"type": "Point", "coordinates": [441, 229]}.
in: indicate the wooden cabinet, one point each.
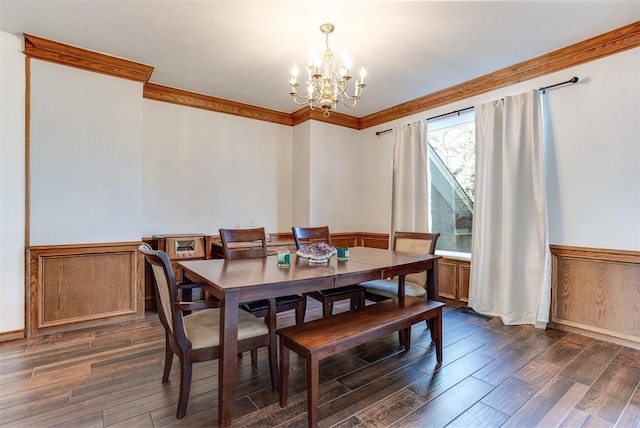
{"type": "Point", "coordinates": [453, 280]}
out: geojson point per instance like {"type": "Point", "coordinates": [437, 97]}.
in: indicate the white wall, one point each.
{"type": "Point", "coordinates": [85, 156]}
{"type": "Point", "coordinates": [205, 170]}
{"type": "Point", "coordinates": [301, 175]}
{"type": "Point", "coordinates": [376, 175]}
{"type": "Point", "coordinates": [592, 151]}
{"type": "Point", "coordinates": [12, 182]}
{"type": "Point", "coordinates": [334, 177]}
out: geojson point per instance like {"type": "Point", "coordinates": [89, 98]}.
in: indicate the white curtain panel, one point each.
{"type": "Point", "coordinates": [410, 191]}
{"type": "Point", "coordinates": [511, 262]}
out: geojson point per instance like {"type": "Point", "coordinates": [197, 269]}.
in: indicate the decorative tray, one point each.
{"type": "Point", "coordinates": [318, 252]}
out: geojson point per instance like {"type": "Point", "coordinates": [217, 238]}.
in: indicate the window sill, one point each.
{"type": "Point", "coordinates": [453, 255]}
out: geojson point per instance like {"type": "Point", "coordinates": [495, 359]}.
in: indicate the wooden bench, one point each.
{"type": "Point", "coordinates": [324, 337]}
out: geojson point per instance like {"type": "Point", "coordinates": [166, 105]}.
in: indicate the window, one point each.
{"type": "Point", "coordinates": [452, 173]}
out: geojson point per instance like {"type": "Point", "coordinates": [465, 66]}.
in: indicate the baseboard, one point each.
{"type": "Point", "coordinates": [11, 335]}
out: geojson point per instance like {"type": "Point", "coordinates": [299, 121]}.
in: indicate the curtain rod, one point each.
{"type": "Point", "coordinates": [543, 89]}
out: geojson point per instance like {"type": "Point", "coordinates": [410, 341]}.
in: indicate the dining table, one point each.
{"type": "Point", "coordinates": [241, 280]}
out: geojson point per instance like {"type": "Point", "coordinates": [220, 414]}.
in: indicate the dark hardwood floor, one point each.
{"type": "Point", "coordinates": [492, 375]}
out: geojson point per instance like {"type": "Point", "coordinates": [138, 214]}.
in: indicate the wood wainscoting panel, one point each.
{"type": "Point", "coordinates": [597, 292]}
{"type": "Point", "coordinates": [453, 280]}
{"type": "Point", "coordinates": [374, 240]}
{"type": "Point", "coordinates": [447, 279]}
{"type": "Point", "coordinates": [77, 286]}
{"type": "Point", "coordinates": [464, 275]}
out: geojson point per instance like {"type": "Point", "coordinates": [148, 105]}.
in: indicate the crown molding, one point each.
{"type": "Point", "coordinates": [612, 42]}
{"type": "Point", "coordinates": [167, 94]}
{"type": "Point", "coordinates": [59, 53]}
{"type": "Point", "coordinates": [335, 118]}
{"type": "Point", "coordinates": [606, 44]}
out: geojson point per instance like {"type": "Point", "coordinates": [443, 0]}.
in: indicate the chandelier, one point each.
{"type": "Point", "coordinates": [327, 86]}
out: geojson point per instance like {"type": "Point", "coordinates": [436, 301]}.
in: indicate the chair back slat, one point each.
{"type": "Point", "coordinates": [244, 243]}
{"type": "Point", "coordinates": [309, 235]}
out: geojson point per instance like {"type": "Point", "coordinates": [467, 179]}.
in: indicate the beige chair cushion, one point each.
{"type": "Point", "coordinates": [389, 288]}
{"type": "Point", "coordinates": [203, 327]}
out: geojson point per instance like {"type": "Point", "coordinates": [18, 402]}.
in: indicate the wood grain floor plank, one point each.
{"type": "Point", "coordinates": [510, 396]}
{"type": "Point", "coordinates": [443, 409]}
{"type": "Point", "coordinates": [141, 421]}
{"type": "Point", "coordinates": [355, 401]}
{"type": "Point", "coordinates": [274, 415]}
{"type": "Point", "coordinates": [341, 368]}
{"type": "Point", "coordinates": [610, 393]}
{"type": "Point", "coordinates": [591, 362]}
{"type": "Point", "coordinates": [53, 377]}
{"type": "Point", "coordinates": [389, 410]}
{"type": "Point", "coordinates": [363, 375]}
{"type": "Point", "coordinates": [502, 368]}
{"type": "Point", "coordinates": [538, 372]}
{"type": "Point", "coordinates": [479, 416]}
{"type": "Point", "coordinates": [15, 413]}
{"type": "Point", "coordinates": [575, 418]}
{"type": "Point", "coordinates": [595, 422]}
{"type": "Point", "coordinates": [85, 421]}
{"type": "Point", "coordinates": [532, 412]}
{"type": "Point", "coordinates": [563, 407]}
{"type": "Point", "coordinates": [451, 353]}
{"type": "Point", "coordinates": [506, 342]}
{"type": "Point", "coordinates": [630, 416]}
{"type": "Point", "coordinates": [628, 357]}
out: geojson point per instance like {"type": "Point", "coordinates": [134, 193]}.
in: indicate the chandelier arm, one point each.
{"type": "Point", "coordinates": [346, 104]}
{"type": "Point", "coordinates": [354, 97]}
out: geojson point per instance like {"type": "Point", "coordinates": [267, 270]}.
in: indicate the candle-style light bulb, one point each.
{"type": "Point", "coordinates": [363, 73]}
{"type": "Point", "coordinates": [347, 64]}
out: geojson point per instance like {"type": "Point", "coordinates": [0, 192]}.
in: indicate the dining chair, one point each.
{"type": "Point", "coordinates": [195, 337]}
{"type": "Point", "coordinates": [304, 236]}
{"type": "Point", "coordinates": [415, 284]}
{"type": "Point", "coordinates": [249, 243]}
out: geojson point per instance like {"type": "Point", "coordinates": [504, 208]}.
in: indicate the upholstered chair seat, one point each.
{"type": "Point", "coordinates": [389, 288]}
{"type": "Point", "coordinates": [203, 327]}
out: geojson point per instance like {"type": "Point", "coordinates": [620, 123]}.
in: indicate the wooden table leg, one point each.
{"type": "Point", "coordinates": [402, 334]}
{"type": "Point", "coordinates": [401, 291]}
{"type": "Point", "coordinates": [432, 281]}
{"type": "Point", "coordinates": [273, 340]}
{"type": "Point", "coordinates": [432, 294]}
{"type": "Point", "coordinates": [227, 365]}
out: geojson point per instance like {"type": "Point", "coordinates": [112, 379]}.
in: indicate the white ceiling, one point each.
{"type": "Point", "coordinates": [244, 50]}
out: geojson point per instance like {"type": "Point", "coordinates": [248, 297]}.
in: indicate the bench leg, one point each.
{"type": "Point", "coordinates": [435, 326]}
{"type": "Point", "coordinates": [313, 381]}
{"type": "Point", "coordinates": [284, 373]}
{"type": "Point", "coordinates": [406, 333]}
